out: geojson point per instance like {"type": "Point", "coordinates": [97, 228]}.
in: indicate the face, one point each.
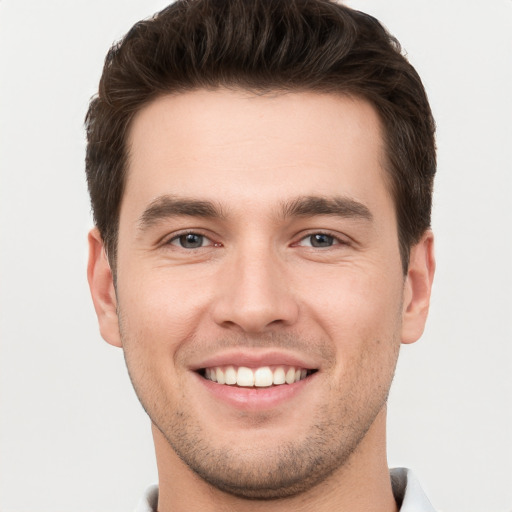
{"type": "Point", "coordinates": [260, 296]}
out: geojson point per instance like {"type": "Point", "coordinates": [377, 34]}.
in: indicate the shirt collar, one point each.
{"type": "Point", "coordinates": [408, 493]}
{"type": "Point", "coordinates": [406, 489]}
{"type": "Point", "coordinates": [148, 502]}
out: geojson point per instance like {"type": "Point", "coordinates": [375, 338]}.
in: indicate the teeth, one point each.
{"type": "Point", "coordinates": [262, 377]}
{"type": "Point", "coordinates": [245, 377]}
{"type": "Point", "coordinates": [230, 375]}
{"type": "Point", "coordinates": [279, 376]}
{"type": "Point", "coordinates": [220, 376]}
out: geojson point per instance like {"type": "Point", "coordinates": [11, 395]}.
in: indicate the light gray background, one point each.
{"type": "Point", "coordinates": [72, 434]}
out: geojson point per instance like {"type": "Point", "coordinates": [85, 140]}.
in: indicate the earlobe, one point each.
{"type": "Point", "coordinates": [102, 289]}
{"type": "Point", "coordinates": [417, 288]}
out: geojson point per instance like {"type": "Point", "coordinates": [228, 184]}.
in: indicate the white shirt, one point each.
{"type": "Point", "coordinates": [406, 489]}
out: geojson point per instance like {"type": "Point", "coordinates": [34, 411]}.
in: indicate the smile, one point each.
{"type": "Point", "coordinates": [262, 377]}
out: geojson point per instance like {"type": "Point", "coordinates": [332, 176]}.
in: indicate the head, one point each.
{"type": "Point", "coordinates": [263, 47]}
{"type": "Point", "coordinates": [261, 177]}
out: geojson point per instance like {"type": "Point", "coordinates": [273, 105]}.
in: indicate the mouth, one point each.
{"type": "Point", "coordinates": [260, 377]}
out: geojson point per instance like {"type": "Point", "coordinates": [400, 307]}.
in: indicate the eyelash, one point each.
{"type": "Point", "coordinates": [336, 240]}
{"type": "Point", "coordinates": [178, 236]}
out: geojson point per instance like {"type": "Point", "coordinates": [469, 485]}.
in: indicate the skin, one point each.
{"type": "Point", "coordinates": [256, 287]}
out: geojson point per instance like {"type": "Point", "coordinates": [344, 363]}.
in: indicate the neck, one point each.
{"type": "Point", "coordinates": [361, 484]}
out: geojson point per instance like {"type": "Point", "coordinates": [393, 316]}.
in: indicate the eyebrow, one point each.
{"type": "Point", "coordinates": [338, 206]}
{"type": "Point", "coordinates": [168, 206]}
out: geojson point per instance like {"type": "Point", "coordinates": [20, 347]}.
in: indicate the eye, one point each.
{"type": "Point", "coordinates": [319, 240]}
{"type": "Point", "coordinates": [190, 241]}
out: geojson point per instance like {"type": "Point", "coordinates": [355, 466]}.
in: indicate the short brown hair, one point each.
{"type": "Point", "coordinates": [260, 46]}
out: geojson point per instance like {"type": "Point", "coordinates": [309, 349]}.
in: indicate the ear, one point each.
{"type": "Point", "coordinates": [417, 288]}
{"type": "Point", "coordinates": [102, 289]}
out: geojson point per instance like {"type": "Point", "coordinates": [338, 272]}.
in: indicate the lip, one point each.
{"type": "Point", "coordinates": [254, 399]}
{"type": "Point", "coordinates": [255, 359]}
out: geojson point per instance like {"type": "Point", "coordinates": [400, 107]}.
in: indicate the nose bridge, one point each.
{"type": "Point", "coordinates": [255, 294]}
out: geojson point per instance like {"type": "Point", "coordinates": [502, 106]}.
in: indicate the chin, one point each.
{"type": "Point", "coordinates": [267, 468]}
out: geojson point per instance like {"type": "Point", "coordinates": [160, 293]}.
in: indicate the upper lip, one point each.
{"type": "Point", "coordinates": [255, 359]}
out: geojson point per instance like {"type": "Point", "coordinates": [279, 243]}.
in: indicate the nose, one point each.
{"type": "Point", "coordinates": [255, 295]}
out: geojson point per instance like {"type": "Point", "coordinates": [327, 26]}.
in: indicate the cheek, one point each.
{"type": "Point", "coordinates": [360, 313]}
{"type": "Point", "coordinates": [354, 305]}
{"type": "Point", "coordinates": [154, 325]}
{"type": "Point", "coordinates": [157, 317]}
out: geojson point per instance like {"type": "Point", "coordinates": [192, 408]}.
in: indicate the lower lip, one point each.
{"type": "Point", "coordinates": [255, 399]}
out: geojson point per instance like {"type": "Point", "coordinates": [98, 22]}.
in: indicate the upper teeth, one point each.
{"type": "Point", "coordinates": [263, 376]}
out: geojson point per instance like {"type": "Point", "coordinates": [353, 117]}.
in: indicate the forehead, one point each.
{"type": "Point", "coordinates": [240, 148]}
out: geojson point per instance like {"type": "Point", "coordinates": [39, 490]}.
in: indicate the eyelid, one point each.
{"type": "Point", "coordinates": [167, 240]}
{"type": "Point", "coordinates": [339, 239]}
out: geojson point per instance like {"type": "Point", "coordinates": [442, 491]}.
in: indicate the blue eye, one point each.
{"type": "Point", "coordinates": [318, 240]}
{"type": "Point", "coordinates": [321, 240]}
{"type": "Point", "coordinates": [190, 241]}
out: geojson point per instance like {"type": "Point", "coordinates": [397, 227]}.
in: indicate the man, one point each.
{"type": "Point", "coordinates": [261, 177]}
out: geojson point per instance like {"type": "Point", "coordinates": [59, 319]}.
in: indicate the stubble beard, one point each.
{"type": "Point", "coordinates": [269, 473]}
{"type": "Point", "coordinates": [275, 470]}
